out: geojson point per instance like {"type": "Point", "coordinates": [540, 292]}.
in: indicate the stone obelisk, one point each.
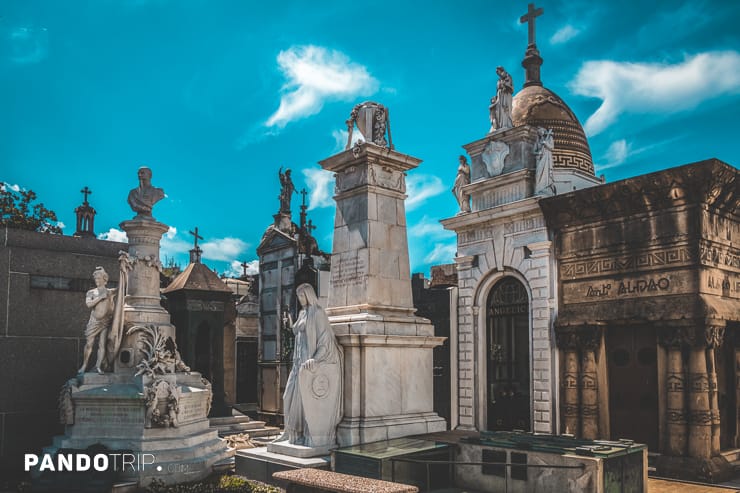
{"type": "Point", "coordinates": [388, 386]}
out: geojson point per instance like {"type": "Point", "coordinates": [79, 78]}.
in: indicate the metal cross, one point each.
{"type": "Point", "coordinates": [304, 193]}
{"type": "Point", "coordinates": [244, 268]}
{"type": "Point", "coordinates": [197, 236]}
{"type": "Point", "coordinates": [86, 191]}
{"type": "Point", "coordinates": [529, 18]}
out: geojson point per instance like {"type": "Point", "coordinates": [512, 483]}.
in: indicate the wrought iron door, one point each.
{"type": "Point", "coordinates": [507, 345]}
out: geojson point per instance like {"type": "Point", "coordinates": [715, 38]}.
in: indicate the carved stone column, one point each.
{"type": "Point", "coordinates": [676, 425]}
{"type": "Point", "coordinates": [700, 415]}
{"type": "Point", "coordinates": [589, 339]}
{"type": "Point", "coordinates": [570, 407]}
{"type": "Point", "coordinates": [713, 337]}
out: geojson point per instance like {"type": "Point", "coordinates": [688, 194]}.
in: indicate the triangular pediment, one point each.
{"type": "Point", "coordinates": [274, 239]}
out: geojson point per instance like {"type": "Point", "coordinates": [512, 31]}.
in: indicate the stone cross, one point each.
{"type": "Point", "coordinates": [86, 191]}
{"type": "Point", "coordinates": [244, 266]}
{"type": "Point", "coordinates": [529, 18]}
{"type": "Point", "coordinates": [304, 193]}
{"type": "Point", "coordinates": [197, 237]}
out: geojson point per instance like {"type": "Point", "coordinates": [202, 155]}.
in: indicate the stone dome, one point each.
{"type": "Point", "coordinates": [540, 107]}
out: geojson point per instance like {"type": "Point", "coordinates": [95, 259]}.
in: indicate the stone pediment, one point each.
{"type": "Point", "coordinates": [274, 239]}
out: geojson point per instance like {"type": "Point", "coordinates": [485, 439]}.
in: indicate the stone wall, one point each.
{"type": "Point", "coordinates": [43, 280]}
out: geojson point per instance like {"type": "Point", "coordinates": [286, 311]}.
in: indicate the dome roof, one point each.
{"type": "Point", "coordinates": [540, 107]}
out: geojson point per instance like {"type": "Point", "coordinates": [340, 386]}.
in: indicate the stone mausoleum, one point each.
{"type": "Point", "coordinates": [506, 356]}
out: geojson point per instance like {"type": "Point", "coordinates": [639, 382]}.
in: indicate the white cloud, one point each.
{"type": "Point", "coordinates": [429, 229]}
{"type": "Point", "coordinates": [442, 253]}
{"type": "Point", "coordinates": [172, 246]}
{"type": "Point", "coordinates": [5, 186]}
{"type": "Point", "coordinates": [617, 152]}
{"type": "Point", "coordinates": [564, 34]}
{"type": "Point", "coordinates": [655, 87]}
{"type": "Point", "coordinates": [321, 184]}
{"type": "Point", "coordinates": [340, 139]}
{"type": "Point", "coordinates": [61, 225]}
{"type": "Point", "coordinates": [114, 234]}
{"type": "Point", "coordinates": [420, 187]}
{"type": "Point", "coordinates": [316, 74]}
{"type": "Point", "coordinates": [223, 249]}
{"type": "Point", "coordinates": [235, 268]}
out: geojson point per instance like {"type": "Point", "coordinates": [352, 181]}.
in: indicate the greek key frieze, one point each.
{"type": "Point", "coordinates": [588, 268]}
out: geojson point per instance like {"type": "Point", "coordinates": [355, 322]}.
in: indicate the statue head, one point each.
{"type": "Point", "coordinates": [462, 159]}
{"type": "Point", "coordinates": [100, 276]}
{"type": "Point", "coordinates": [306, 295]}
{"type": "Point", "coordinates": [145, 175]}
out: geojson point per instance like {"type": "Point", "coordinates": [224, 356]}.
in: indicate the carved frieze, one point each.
{"type": "Point", "coordinates": [372, 174]}
{"type": "Point", "coordinates": [675, 256]}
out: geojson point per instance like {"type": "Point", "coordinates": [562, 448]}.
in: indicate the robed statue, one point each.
{"type": "Point", "coordinates": [312, 401]}
{"type": "Point", "coordinates": [501, 103]}
{"type": "Point", "coordinates": [461, 180]}
{"type": "Point", "coordinates": [286, 190]}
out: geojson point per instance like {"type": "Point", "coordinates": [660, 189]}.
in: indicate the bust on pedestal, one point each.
{"type": "Point", "coordinates": [142, 398]}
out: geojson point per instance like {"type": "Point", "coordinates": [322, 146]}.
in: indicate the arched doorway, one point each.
{"type": "Point", "coordinates": [507, 348]}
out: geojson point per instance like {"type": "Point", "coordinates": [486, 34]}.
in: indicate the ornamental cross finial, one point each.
{"type": "Point", "coordinates": [529, 18]}
{"type": "Point", "coordinates": [197, 237]}
{"type": "Point", "coordinates": [244, 266]}
{"type": "Point", "coordinates": [86, 191]}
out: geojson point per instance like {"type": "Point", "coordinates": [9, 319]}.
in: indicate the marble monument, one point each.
{"type": "Point", "coordinates": [141, 398]}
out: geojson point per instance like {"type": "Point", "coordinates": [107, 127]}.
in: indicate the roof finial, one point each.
{"type": "Point", "coordinates": [196, 252]}
{"type": "Point", "coordinates": [532, 59]}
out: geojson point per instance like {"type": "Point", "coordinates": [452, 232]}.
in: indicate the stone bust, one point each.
{"type": "Point", "coordinates": [142, 198]}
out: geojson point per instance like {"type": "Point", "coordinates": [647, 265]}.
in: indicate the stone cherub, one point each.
{"type": "Point", "coordinates": [100, 300]}
{"type": "Point", "coordinates": [142, 198]}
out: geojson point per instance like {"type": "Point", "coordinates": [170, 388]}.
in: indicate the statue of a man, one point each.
{"type": "Point", "coordinates": [500, 108]}
{"type": "Point", "coordinates": [286, 190]}
{"type": "Point", "coordinates": [100, 300]}
{"type": "Point", "coordinates": [142, 198]}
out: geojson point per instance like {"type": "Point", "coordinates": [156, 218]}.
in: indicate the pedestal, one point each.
{"type": "Point", "coordinates": [388, 388]}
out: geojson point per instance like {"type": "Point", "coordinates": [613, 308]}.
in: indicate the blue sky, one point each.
{"type": "Point", "coordinates": [216, 96]}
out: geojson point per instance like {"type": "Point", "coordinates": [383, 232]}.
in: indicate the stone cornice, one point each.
{"type": "Point", "coordinates": [712, 182]}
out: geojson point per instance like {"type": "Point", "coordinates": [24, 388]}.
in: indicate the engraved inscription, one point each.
{"type": "Point", "coordinates": [351, 271]}
{"type": "Point", "coordinates": [119, 415]}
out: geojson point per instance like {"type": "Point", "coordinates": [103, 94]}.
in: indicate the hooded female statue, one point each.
{"type": "Point", "coordinates": [312, 401]}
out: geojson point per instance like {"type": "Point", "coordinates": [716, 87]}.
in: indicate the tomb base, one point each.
{"type": "Point", "coordinates": [162, 421]}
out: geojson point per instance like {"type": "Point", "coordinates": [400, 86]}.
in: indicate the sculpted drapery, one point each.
{"type": "Point", "coordinates": [313, 394]}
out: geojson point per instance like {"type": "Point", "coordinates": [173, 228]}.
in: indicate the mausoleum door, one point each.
{"type": "Point", "coordinates": [507, 343]}
{"type": "Point", "coordinates": [203, 351]}
{"type": "Point", "coordinates": [633, 384]}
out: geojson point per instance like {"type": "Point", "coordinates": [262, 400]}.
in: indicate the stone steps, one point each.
{"type": "Point", "coordinates": [239, 423]}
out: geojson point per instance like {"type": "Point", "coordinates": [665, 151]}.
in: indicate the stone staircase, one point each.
{"type": "Point", "coordinates": [733, 457]}
{"type": "Point", "coordinates": [241, 423]}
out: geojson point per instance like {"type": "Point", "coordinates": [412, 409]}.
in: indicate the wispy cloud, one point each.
{"type": "Point", "coordinates": [321, 184]}
{"type": "Point", "coordinates": [315, 75]}
{"type": "Point", "coordinates": [172, 246]}
{"type": "Point", "coordinates": [430, 229]}
{"type": "Point", "coordinates": [420, 187]}
{"type": "Point", "coordinates": [617, 152]}
{"type": "Point", "coordinates": [564, 34]}
{"type": "Point", "coordinates": [442, 253]}
{"type": "Point", "coordinates": [28, 44]}
{"type": "Point", "coordinates": [443, 243]}
{"type": "Point", "coordinates": [655, 87]}
{"type": "Point", "coordinates": [340, 139]}
{"type": "Point", "coordinates": [114, 234]}
{"type": "Point", "coordinates": [235, 268]}
{"type": "Point", "coordinates": [223, 249]}
{"type": "Point", "coordinates": [7, 186]}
